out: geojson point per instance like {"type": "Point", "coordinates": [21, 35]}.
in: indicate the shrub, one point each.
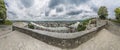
{"type": "Point", "coordinates": [81, 27]}
{"type": "Point", "coordinates": [30, 26]}
{"type": "Point", "coordinates": [85, 22]}
{"type": "Point", "coordinates": [6, 22]}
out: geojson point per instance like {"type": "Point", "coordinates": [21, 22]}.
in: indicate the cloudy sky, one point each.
{"type": "Point", "coordinates": [42, 10]}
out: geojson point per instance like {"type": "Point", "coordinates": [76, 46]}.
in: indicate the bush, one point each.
{"type": "Point", "coordinates": [81, 27]}
{"type": "Point", "coordinates": [85, 22]}
{"type": "Point", "coordinates": [6, 22]}
{"type": "Point", "coordinates": [31, 26]}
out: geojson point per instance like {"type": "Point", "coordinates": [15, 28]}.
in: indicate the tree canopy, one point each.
{"type": "Point", "coordinates": [102, 12]}
{"type": "Point", "coordinates": [117, 13]}
{"type": "Point", "coordinates": [2, 11]}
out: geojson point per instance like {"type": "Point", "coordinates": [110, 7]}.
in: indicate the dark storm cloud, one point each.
{"type": "Point", "coordinates": [77, 12]}
{"type": "Point", "coordinates": [95, 8]}
{"type": "Point", "coordinates": [12, 13]}
{"type": "Point", "coordinates": [59, 9]}
{"type": "Point", "coordinates": [77, 2]}
{"type": "Point", "coordinates": [7, 4]}
{"type": "Point", "coordinates": [54, 3]}
{"type": "Point", "coordinates": [74, 12]}
{"type": "Point", "coordinates": [47, 13]}
{"type": "Point", "coordinates": [27, 3]}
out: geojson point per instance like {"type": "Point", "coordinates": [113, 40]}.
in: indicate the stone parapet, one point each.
{"type": "Point", "coordinates": [62, 40]}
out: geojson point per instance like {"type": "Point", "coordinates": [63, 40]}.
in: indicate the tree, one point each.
{"type": "Point", "coordinates": [117, 13]}
{"type": "Point", "coordinates": [2, 11]}
{"type": "Point", "coordinates": [102, 12]}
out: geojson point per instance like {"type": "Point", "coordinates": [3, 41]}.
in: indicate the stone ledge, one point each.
{"type": "Point", "coordinates": [62, 40]}
{"type": "Point", "coordinates": [6, 27]}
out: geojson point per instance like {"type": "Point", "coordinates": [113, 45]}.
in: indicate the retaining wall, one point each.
{"type": "Point", "coordinates": [62, 40]}
{"type": "Point", "coordinates": [6, 27]}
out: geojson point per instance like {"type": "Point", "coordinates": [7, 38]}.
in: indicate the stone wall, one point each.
{"type": "Point", "coordinates": [6, 27]}
{"type": "Point", "coordinates": [60, 40]}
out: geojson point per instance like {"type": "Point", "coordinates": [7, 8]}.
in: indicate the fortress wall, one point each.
{"type": "Point", "coordinates": [64, 40]}
{"type": "Point", "coordinates": [6, 27]}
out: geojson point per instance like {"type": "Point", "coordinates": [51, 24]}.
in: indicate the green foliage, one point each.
{"type": "Point", "coordinates": [6, 22]}
{"type": "Point", "coordinates": [116, 21]}
{"type": "Point", "coordinates": [117, 14]}
{"type": "Point", "coordinates": [30, 26]}
{"type": "Point", "coordinates": [102, 13]}
{"type": "Point", "coordinates": [2, 11]}
{"type": "Point", "coordinates": [81, 27]}
{"type": "Point", "coordinates": [85, 22]}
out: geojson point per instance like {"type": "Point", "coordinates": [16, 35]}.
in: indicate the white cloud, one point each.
{"type": "Point", "coordinates": [110, 4]}
{"type": "Point", "coordinates": [60, 10]}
